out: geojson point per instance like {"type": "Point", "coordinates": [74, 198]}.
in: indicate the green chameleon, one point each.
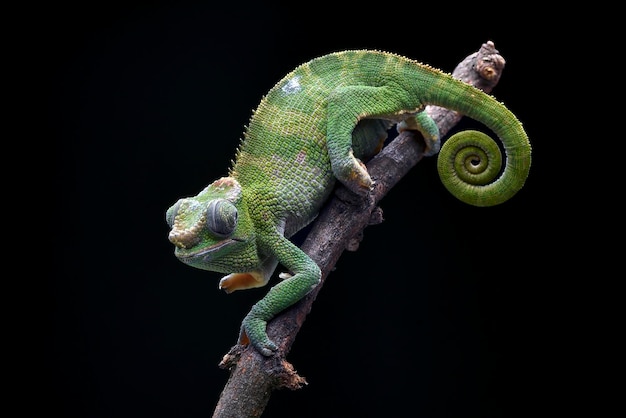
{"type": "Point", "coordinates": [316, 126]}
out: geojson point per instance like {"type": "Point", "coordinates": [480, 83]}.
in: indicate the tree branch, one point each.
{"type": "Point", "coordinates": [338, 227]}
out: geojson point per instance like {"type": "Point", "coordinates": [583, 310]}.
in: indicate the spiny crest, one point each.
{"type": "Point", "coordinates": [233, 161]}
{"type": "Point", "coordinates": [403, 58]}
{"type": "Point", "coordinates": [242, 140]}
{"type": "Point", "coordinates": [358, 52]}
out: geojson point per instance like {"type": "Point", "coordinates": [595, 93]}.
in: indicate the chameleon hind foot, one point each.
{"type": "Point", "coordinates": [427, 127]}
{"type": "Point", "coordinates": [356, 178]}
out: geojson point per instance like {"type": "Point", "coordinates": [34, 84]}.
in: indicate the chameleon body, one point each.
{"type": "Point", "coordinates": [313, 128]}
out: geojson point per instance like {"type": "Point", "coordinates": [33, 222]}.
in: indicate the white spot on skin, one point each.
{"type": "Point", "coordinates": [193, 205]}
{"type": "Point", "coordinates": [292, 86]}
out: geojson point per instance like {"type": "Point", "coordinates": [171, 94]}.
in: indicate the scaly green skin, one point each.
{"type": "Point", "coordinates": [314, 127]}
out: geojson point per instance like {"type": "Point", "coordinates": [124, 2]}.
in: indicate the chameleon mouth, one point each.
{"type": "Point", "coordinates": [205, 253]}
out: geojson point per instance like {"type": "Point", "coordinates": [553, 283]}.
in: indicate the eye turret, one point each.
{"type": "Point", "coordinates": [221, 217]}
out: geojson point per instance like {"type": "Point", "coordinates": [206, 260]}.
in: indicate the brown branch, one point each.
{"type": "Point", "coordinates": [339, 227]}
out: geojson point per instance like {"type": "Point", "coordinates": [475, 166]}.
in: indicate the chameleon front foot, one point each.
{"type": "Point", "coordinates": [253, 332]}
{"type": "Point", "coordinates": [240, 281]}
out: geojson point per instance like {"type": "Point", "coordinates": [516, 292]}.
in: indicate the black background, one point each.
{"type": "Point", "coordinates": [443, 310]}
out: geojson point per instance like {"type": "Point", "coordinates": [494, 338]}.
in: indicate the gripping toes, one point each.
{"type": "Point", "coordinates": [365, 181]}
{"type": "Point", "coordinates": [239, 281]}
{"type": "Point", "coordinates": [358, 179]}
{"type": "Point", "coordinates": [253, 330]}
{"type": "Point", "coordinates": [423, 123]}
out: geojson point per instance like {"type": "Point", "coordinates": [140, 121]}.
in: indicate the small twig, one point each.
{"type": "Point", "coordinates": [338, 227]}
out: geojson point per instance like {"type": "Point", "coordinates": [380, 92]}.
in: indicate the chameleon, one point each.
{"type": "Point", "coordinates": [315, 127]}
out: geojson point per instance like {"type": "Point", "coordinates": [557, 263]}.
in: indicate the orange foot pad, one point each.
{"type": "Point", "coordinates": [240, 281]}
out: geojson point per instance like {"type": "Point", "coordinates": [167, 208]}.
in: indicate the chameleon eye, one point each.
{"type": "Point", "coordinates": [221, 216]}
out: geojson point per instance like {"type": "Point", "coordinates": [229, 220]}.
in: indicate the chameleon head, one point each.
{"type": "Point", "coordinates": [206, 227]}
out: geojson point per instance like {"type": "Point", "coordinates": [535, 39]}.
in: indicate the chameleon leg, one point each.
{"type": "Point", "coordinates": [306, 275]}
{"type": "Point", "coordinates": [346, 107]}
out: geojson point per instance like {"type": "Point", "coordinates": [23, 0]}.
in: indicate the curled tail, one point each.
{"type": "Point", "coordinates": [470, 162]}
